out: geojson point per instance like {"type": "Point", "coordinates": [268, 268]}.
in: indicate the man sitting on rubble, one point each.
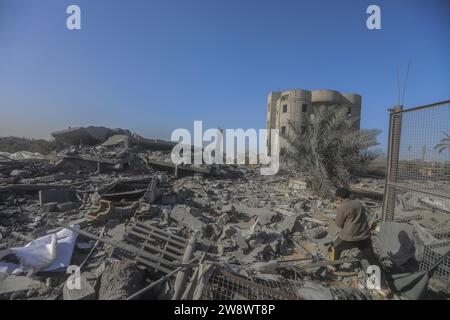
{"type": "Point", "coordinates": [355, 230]}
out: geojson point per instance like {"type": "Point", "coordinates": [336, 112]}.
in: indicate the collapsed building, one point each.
{"type": "Point", "coordinates": [135, 226]}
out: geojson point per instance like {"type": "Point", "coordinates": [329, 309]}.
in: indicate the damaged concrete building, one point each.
{"type": "Point", "coordinates": [294, 107]}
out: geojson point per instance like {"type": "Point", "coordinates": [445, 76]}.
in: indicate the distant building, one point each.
{"type": "Point", "coordinates": [296, 105]}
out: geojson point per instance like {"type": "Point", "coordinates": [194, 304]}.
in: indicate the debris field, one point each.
{"type": "Point", "coordinates": [109, 216]}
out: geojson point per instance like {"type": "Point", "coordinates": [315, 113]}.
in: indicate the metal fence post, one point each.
{"type": "Point", "coordinates": [395, 128]}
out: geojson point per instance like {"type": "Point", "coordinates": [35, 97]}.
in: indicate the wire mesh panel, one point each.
{"type": "Point", "coordinates": [418, 178]}
{"type": "Point", "coordinates": [226, 286]}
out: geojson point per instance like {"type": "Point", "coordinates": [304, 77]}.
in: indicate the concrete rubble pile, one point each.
{"type": "Point", "coordinates": [131, 225]}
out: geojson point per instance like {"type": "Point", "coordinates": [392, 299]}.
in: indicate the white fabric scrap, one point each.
{"type": "Point", "coordinates": [52, 252]}
{"type": "Point", "coordinates": [37, 254]}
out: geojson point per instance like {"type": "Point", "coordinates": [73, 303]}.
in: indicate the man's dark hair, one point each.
{"type": "Point", "coordinates": [342, 193]}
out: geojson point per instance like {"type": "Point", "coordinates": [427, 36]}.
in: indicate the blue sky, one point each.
{"type": "Point", "coordinates": [153, 66]}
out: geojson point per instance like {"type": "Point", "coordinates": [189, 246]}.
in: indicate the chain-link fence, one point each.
{"type": "Point", "coordinates": [418, 179]}
{"type": "Point", "coordinates": [227, 286]}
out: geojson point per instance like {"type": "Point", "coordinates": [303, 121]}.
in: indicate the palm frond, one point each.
{"type": "Point", "coordinates": [329, 149]}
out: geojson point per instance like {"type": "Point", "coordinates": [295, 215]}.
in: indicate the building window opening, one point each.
{"type": "Point", "coordinates": [283, 130]}
{"type": "Point", "coordinates": [304, 107]}
{"type": "Point", "coordinates": [285, 108]}
{"type": "Point", "coordinates": [349, 111]}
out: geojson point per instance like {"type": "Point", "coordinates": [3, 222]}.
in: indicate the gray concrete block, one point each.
{"type": "Point", "coordinates": [66, 206]}
{"type": "Point", "coordinates": [56, 195]}
{"type": "Point", "coordinates": [49, 207]}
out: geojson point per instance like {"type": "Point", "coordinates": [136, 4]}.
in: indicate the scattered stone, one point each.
{"type": "Point", "coordinates": [49, 207]}
{"type": "Point", "coordinates": [182, 214]}
{"type": "Point", "coordinates": [297, 184]}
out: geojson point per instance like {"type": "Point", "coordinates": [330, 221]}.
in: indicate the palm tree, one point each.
{"type": "Point", "coordinates": [329, 149]}
{"type": "Point", "coordinates": [444, 144]}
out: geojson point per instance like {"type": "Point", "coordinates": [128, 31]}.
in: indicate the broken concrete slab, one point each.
{"type": "Point", "coordinates": [269, 267]}
{"type": "Point", "coordinates": [89, 163]}
{"type": "Point", "coordinates": [264, 215]}
{"type": "Point", "coordinates": [36, 187]}
{"type": "Point", "coordinates": [182, 214]}
{"type": "Point", "coordinates": [131, 189]}
{"type": "Point", "coordinates": [116, 230]}
{"type": "Point", "coordinates": [153, 144]}
{"type": "Point", "coordinates": [57, 195]}
{"type": "Point", "coordinates": [14, 283]}
{"type": "Point", "coordinates": [86, 135]}
{"type": "Point", "coordinates": [182, 170]}
{"type": "Point", "coordinates": [117, 140]}
{"type": "Point", "coordinates": [201, 203]}
{"type": "Point", "coordinates": [64, 207]}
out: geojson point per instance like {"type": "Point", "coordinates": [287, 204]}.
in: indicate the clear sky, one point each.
{"type": "Point", "coordinates": [153, 66]}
